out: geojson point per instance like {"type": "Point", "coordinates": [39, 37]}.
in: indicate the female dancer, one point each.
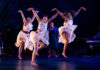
{"type": "Point", "coordinates": [23, 36]}
{"type": "Point", "coordinates": [66, 31]}
{"type": "Point", "coordinates": [41, 35]}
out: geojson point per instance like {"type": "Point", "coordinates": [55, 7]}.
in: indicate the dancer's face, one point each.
{"type": "Point", "coordinates": [51, 24]}
{"type": "Point", "coordinates": [28, 19]}
{"type": "Point", "coordinates": [45, 19]}
{"type": "Point", "coordinates": [66, 20]}
{"type": "Point", "coordinates": [69, 15]}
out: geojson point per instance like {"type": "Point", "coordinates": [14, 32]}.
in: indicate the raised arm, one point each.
{"type": "Point", "coordinates": [37, 17]}
{"type": "Point", "coordinates": [22, 15]}
{"type": "Point", "coordinates": [53, 17]}
{"type": "Point", "coordinates": [60, 13]}
{"type": "Point", "coordinates": [78, 11]}
{"type": "Point", "coordinates": [31, 9]}
{"type": "Point", "coordinates": [35, 14]}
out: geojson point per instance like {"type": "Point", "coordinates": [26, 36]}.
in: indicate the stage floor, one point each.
{"type": "Point", "coordinates": [71, 63]}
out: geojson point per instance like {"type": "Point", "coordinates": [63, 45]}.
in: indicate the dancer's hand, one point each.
{"type": "Point", "coordinates": [30, 9]}
{"type": "Point", "coordinates": [20, 11]}
{"type": "Point", "coordinates": [54, 9]}
{"type": "Point", "coordinates": [83, 8]}
{"type": "Point", "coordinates": [37, 11]}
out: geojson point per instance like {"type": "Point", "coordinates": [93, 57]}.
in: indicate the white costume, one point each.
{"type": "Point", "coordinates": [24, 37]}
{"type": "Point", "coordinates": [69, 28]}
{"type": "Point", "coordinates": [43, 35]}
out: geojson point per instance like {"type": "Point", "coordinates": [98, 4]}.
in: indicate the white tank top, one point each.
{"type": "Point", "coordinates": [28, 27]}
{"type": "Point", "coordinates": [43, 26]}
{"type": "Point", "coordinates": [69, 22]}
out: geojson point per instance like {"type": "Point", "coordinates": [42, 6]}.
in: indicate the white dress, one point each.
{"type": "Point", "coordinates": [69, 28]}
{"type": "Point", "coordinates": [24, 37]}
{"type": "Point", "coordinates": [43, 35]}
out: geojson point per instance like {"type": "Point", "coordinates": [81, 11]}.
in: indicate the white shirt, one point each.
{"type": "Point", "coordinates": [43, 26]}
{"type": "Point", "coordinates": [28, 27]}
{"type": "Point", "coordinates": [69, 22]}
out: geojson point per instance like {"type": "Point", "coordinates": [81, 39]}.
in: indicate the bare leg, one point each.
{"type": "Point", "coordinates": [42, 46]}
{"type": "Point", "coordinates": [64, 50]}
{"type": "Point", "coordinates": [34, 54]}
{"type": "Point", "coordinates": [65, 45]}
{"type": "Point", "coordinates": [20, 50]}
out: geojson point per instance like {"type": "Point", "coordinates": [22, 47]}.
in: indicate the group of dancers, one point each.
{"type": "Point", "coordinates": [36, 40]}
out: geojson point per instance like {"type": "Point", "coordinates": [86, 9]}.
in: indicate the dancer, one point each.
{"type": "Point", "coordinates": [66, 31]}
{"type": "Point", "coordinates": [42, 32]}
{"type": "Point", "coordinates": [40, 37]}
{"type": "Point", "coordinates": [53, 39]}
{"type": "Point", "coordinates": [34, 41]}
{"type": "Point", "coordinates": [23, 36]}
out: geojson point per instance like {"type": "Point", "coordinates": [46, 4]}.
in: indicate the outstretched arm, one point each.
{"type": "Point", "coordinates": [53, 17]}
{"type": "Point", "coordinates": [78, 11]}
{"type": "Point", "coordinates": [35, 14]}
{"type": "Point", "coordinates": [60, 13]}
{"type": "Point", "coordinates": [22, 15]}
{"type": "Point", "coordinates": [33, 11]}
{"type": "Point", "coordinates": [37, 17]}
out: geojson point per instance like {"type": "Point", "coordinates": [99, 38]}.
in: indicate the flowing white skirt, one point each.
{"type": "Point", "coordinates": [23, 37]}
{"type": "Point", "coordinates": [70, 33]}
{"type": "Point", "coordinates": [41, 36]}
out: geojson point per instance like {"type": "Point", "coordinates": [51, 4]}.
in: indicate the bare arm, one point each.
{"type": "Point", "coordinates": [37, 17]}
{"type": "Point", "coordinates": [22, 15]}
{"type": "Point", "coordinates": [35, 14]}
{"type": "Point", "coordinates": [53, 17]}
{"type": "Point", "coordinates": [33, 11]}
{"type": "Point", "coordinates": [78, 11]}
{"type": "Point", "coordinates": [60, 13]}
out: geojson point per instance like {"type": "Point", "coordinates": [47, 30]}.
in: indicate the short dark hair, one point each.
{"type": "Point", "coordinates": [72, 13]}
{"type": "Point", "coordinates": [45, 16]}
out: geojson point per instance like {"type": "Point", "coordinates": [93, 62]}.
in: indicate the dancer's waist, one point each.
{"type": "Point", "coordinates": [38, 30]}
{"type": "Point", "coordinates": [26, 32]}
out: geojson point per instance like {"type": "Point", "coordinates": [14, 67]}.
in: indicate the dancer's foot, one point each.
{"type": "Point", "coordinates": [34, 64]}
{"type": "Point", "coordinates": [19, 57]}
{"type": "Point", "coordinates": [64, 55]}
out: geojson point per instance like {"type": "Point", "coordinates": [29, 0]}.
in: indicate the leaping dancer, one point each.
{"type": "Point", "coordinates": [66, 31]}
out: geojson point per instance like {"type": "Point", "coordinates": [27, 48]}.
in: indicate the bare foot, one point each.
{"type": "Point", "coordinates": [19, 57]}
{"type": "Point", "coordinates": [64, 55]}
{"type": "Point", "coordinates": [34, 64]}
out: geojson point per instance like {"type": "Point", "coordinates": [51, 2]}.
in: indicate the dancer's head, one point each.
{"type": "Point", "coordinates": [69, 13]}
{"type": "Point", "coordinates": [51, 24]}
{"type": "Point", "coordinates": [28, 19]}
{"type": "Point", "coordinates": [45, 19]}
